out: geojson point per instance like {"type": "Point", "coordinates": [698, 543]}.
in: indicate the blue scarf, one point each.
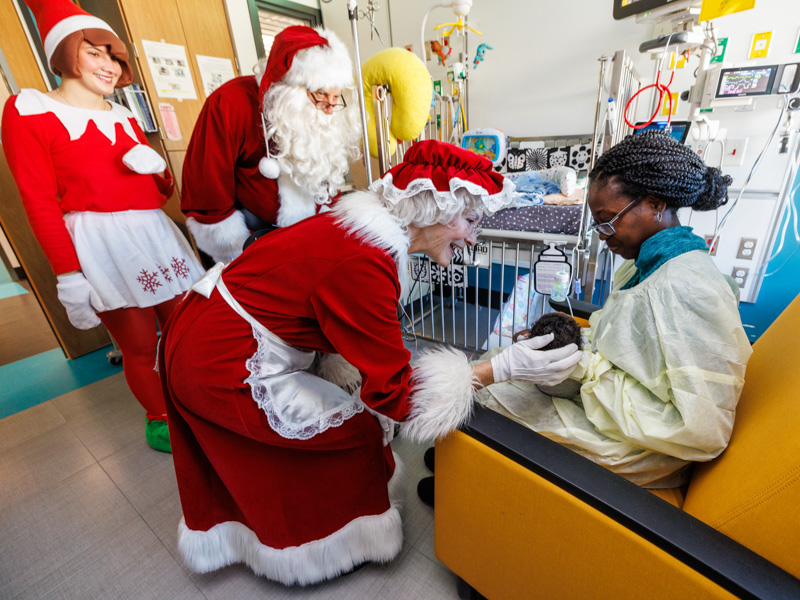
{"type": "Point", "coordinates": [660, 248]}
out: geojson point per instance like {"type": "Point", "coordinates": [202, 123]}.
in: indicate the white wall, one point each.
{"type": "Point", "coordinates": [541, 76]}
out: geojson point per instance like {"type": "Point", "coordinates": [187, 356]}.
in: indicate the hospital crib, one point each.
{"type": "Point", "coordinates": [460, 305]}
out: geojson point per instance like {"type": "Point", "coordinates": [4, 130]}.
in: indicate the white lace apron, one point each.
{"type": "Point", "coordinates": [298, 405]}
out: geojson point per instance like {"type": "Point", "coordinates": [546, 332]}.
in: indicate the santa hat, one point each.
{"type": "Point", "coordinates": [63, 26]}
{"type": "Point", "coordinates": [312, 58]}
{"type": "Point", "coordinates": [443, 168]}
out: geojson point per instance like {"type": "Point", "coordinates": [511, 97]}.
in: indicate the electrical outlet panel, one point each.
{"type": "Point", "coordinates": [747, 248]}
{"type": "Point", "coordinates": [734, 152]}
{"type": "Point", "coordinates": [739, 275]}
{"type": "Point", "coordinates": [708, 239]}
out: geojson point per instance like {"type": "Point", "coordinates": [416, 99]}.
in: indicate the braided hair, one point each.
{"type": "Point", "coordinates": [656, 164]}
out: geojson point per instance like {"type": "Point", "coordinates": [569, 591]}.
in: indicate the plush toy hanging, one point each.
{"type": "Point", "coordinates": [438, 50]}
{"type": "Point", "coordinates": [480, 54]}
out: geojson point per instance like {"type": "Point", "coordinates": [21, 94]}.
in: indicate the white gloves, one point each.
{"type": "Point", "coordinates": [525, 362]}
{"type": "Point", "coordinates": [387, 425]}
{"type": "Point", "coordinates": [144, 160]}
{"type": "Point", "coordinates": [80, 300]}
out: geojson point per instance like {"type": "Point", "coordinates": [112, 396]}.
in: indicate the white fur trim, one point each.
{"type": "Point", "coordinates": [322, 67]}
{"type": "Point", "coordinates": [363, 215]}
{"type": "Point", "coordinates": [70, 25]}
{"type": "Point", "coordinates": [296, 204]}
{"type": "Point", "coordinates": [334, 368]}
{"type": "Point", "coordinates": [442, 396]}
{"type": "Point", "coordinates": [222, 241]}
{"type": "Point", "coordinates": [492, 202]}
{"type": "Point", "coordinates": [373, 538]}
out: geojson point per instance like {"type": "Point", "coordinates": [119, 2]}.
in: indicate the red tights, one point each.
{"type": "Point", "coordinates": [134, 330]}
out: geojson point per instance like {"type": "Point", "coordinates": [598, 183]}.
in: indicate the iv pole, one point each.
{"type": "Point", "coordinates": [352, 13]}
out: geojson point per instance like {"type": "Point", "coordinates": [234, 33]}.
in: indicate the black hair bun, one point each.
{"type": "Point", "coordinates": [716, 192]}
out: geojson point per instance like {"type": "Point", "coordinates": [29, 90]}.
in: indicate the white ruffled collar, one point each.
{"type": "Point", "coordinates": [75, 120]}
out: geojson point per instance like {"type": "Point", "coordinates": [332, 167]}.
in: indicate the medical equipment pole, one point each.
{"type": "Point", "coordinates": [591, 249]}
{"type": "Point", "coordinates": [352, 13]}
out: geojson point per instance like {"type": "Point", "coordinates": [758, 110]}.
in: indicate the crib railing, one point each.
{"type": "Point", "coordinates": [484, 296]}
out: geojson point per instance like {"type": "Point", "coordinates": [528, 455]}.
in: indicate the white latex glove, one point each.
{"type": "Point", "coordinates": [525, 362]}
{"type": "Point", "coordinates": [387, 425]}
{"type": "Point", "coordinates": [80, 300]}
{"type": "Point", "coordinates": [144, 160]}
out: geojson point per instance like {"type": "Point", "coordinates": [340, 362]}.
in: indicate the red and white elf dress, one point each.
{"type": "Point", "coordinates": [88, 210]}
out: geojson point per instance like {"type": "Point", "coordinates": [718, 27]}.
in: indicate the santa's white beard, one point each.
{"type": "Point", "coordinates": [314, 148]}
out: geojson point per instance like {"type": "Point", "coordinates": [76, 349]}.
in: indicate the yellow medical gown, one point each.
{"type": "Point", "coordinates": [660, 378]}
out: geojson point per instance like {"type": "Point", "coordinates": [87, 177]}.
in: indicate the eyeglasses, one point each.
{"type": "Point", "coordinates": [474, 227]}
{"type": "Point", "coordinates": [322, 103]}
{"type": "Point", "coordinates": [607, 228]}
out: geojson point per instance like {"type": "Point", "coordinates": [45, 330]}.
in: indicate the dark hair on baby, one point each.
{"type": "Point", "coordinates": [656, 164]}
{"type": "Point", "coordinates": [564, 328]}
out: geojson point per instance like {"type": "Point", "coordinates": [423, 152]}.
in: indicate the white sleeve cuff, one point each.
{"type": "Point", "coordinates": [222, 241]}
{"type": "Point", "coordinates": [442, 396]}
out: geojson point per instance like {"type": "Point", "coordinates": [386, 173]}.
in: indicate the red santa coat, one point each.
{"type": "Point", "coordinates": [220, 172]}
{"type": "Point", "coordinates": [302, 510]}
{"type": "Point", "coordinates": [57, 174]}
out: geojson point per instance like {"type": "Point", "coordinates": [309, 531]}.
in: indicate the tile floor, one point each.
{"type": "Point", "coordinates": [87, 511]}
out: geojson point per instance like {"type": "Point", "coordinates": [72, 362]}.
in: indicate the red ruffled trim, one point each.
{"type": "Point", "coordinates": [439, 162]}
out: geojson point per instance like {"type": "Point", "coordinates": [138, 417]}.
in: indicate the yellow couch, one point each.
{"type": "Point", "coordinates": [520, 517]}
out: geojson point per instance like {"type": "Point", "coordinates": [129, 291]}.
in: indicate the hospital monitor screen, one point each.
{"type": "Point", "coordinates": [680, 129]}
{"type": "Point", "coordinates": [627, 8]}
{"type": "Point", "coordinates": [746, 81]}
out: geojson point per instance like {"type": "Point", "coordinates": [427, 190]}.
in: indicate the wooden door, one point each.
{"type": "Point", "coordinates": [201, 27]}
{"type": "Point", "coordinates": [26, 73]}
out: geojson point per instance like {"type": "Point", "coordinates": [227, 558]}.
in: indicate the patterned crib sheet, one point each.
{"type": "Point", "coordinates": [546, 218]}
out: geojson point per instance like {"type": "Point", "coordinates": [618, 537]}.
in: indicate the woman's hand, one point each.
{"type": "Point", "coordinates": [524, 361]}
{"type": "Point", "coordinates": [79, 298]}
{"type": "Point", "coordinates": [144, 160]}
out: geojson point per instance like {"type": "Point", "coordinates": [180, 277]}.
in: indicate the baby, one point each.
{"type": "Point", "coordinates": [565, 331]}
{"type": "Point", "coordinates": [564, 328]}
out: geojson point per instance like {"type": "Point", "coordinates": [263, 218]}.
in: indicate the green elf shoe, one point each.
{"type": "Point", "coordinates": [157, 435]}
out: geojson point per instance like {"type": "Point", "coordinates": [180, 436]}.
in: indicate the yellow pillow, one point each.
{"type": "Point", "coordinates": [411, 88]}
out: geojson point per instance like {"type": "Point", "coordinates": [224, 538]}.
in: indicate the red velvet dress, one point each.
{"type": "Point", "coordinates": [297, 510]}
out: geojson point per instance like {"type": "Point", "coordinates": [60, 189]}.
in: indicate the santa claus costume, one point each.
{"type": "Point", "coordinates": [279, 465]}
{"type": "Point", "coordinates": [233, 182]}
{"type": "Point", "coordinates": [92, 189]}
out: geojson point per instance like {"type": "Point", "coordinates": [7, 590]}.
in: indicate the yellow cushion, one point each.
{"type": "Point", "coordinates": [752, 492]}
{"type": "Point", "coordinates": [674, 496]}
{"type": "Point", "coordinates": [582, 322]}
{"type": "Point", "coordinates": [411, 88]}
{"type": "Point", "coordinates": [513, 535]}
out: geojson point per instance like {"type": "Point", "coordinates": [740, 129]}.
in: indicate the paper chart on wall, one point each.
{"type": "Point", "coordinates": [214, 71]}
{"type": "Point", "coordinates": [170, 70]}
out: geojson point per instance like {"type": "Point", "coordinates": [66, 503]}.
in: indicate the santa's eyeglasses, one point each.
{"type": "Point", "coordinates": [320, 100]}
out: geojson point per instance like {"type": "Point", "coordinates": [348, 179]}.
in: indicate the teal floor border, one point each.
{"type": "Point", "coordinates": [11, 289]}
{"type": "Point", "coordinates": [40, 378]}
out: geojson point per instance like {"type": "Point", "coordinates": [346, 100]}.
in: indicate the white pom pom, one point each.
{"type": "Point", "coordinates": [269, 168]}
